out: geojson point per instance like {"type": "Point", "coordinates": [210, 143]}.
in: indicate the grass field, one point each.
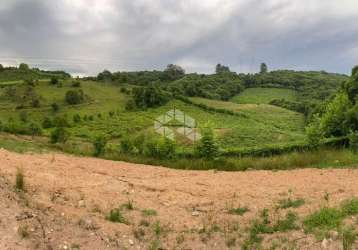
{"type": "Point", "coordinates": [265, 124]}
{"type": "Point", "coordinates": [264, 95]}
{"type": "Point", "coordinates": [262, 125]}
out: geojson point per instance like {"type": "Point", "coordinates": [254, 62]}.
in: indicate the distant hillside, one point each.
{"type": "Point", "coordinates": [11, 74]}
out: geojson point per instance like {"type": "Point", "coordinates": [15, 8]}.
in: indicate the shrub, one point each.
{"type": "Point", "coordinates": [74, 97]}
{"type": "Point", "coordinates": [350, 207]}
{"type": "Point", "coordinates": [324, 219]}
{"type": "Point", "coordinates": [54, 80]}
{"type": "Point", "coordinates": [288, 203]}
{"type": "Point", "coordinates": [59, 135]}
{"type": "Point", "coordinates": [55, 107]}
{"type": "Point", "coordinates": [99, 145]}
{"type": "Point", "coordinates": [349, 237]}
{"type": "Point", "coordinates": [19, 182]}
{"type": "Point", "coordinates": [115, 215]}
{"type": "Point", "coordinates": [23, 116]}
{"type": "Point", "coordinates": [160, 148]}
{"type": "Point", "coordinates": [76, 118]}
{"type": "Point", "coordinates": [35, 103]}
{"type": "Point", "coordinates": [353, 141]}
{"type": "Point", "coordinates": [207, 146]}
{"type": "Point", "coordinates": [238, 211]}
{"type": "Point", "coordinates": [47, 123]}
{"type": "Point", "coordinates": [76, 84]}
{"type": "Point", "coordinates": [126, 145]}
{"type": "Point", "coordinates": [149, 212]}
{"type": "Point", "coordinates": [130, 105]}
{"type": "Point", "coordinates": [35, 129]}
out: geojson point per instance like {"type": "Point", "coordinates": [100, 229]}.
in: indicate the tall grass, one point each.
{"type": "Point", "coordinates": [323, 158]}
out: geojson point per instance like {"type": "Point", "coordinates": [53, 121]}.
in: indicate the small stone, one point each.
{"type": "Point", "coordinates": [195, 213]}
{"type": "Point", "coordinates": [81, 203]}
{"type": "Point", "coordinates": [325, 243]}
{"type": "Point", "coordinates": [131, 242]}
{"type": "Point", "coordinates": [333, 235]}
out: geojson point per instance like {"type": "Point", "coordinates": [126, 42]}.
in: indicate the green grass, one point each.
{"type": "Point", "coordinates": [115, 215]}
{"type": "Point", "coordinates": [264, 95]}
{"type": "Point", "coordinates": [323, 220]}
{"type": "Point", "coordinates": [290, 203]}
{"type": "Point", "coordinates": [263, 124]}
{"type": "Point", "coordinates": [238, 210]}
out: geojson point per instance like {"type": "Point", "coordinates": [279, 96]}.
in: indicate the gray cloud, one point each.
{"type": "Point", "coordinates": [86, 36]}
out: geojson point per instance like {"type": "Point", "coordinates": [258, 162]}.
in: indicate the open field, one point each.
{"type": "Point", "coordinates": [263, 124]}
{"type": "Point", "coordinates": [264, 95]}
{"type": "Point", "coordinates": [67, 199]}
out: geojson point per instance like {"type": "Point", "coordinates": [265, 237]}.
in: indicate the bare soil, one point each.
{"type": "Point", "coordinates": [67, 199]}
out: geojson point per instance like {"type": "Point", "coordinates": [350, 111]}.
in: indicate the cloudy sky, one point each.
{"type": "Point", "coordinates": [87, 36]}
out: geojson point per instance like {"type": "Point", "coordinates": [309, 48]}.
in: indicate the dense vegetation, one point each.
{"type": "Point", "coordinates": [23, 72]}
{"type": "Point", "coordinates": [243, 115]}
{"type": "Point", "coordinates": [339, 116]}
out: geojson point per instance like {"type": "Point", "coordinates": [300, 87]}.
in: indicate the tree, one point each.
{"type": "Point", "coordinates": [24, 66]}
{"type": "Point", "coordinates": [1, 67]}
{"type": "Point", "coordinates": [333, 122]}
{"type": "Point", "coordinates": [54, 80]}
{"type": "Point", "coordinates": [207, 146]}
{"type": "Point", "coordinates": [106, 75]}
{"type": "Point", "coordinates": [99, 145]}
{"type": "Point", "coordinates": [59, 134]}
{"type": "Point", "coordinates": [148, 97]}
{"type": "Point", "coordinates": [263, 68]}
{"type": "Point", "coordinates": [173, 72]}
{"type": "Point", "coordinates": [74, 97]}
{"type": "Point", "coordinates": [221, 69]}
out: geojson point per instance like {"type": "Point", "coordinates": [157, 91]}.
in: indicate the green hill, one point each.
{"type": "Point", "coordinates": [264, 95]}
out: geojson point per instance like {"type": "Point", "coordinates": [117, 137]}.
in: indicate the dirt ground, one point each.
{"type": "Point", "coordinates": [67, 199]}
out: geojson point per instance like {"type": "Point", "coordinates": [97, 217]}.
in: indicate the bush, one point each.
{"type": "Point", "coordinates": [115, 215]}
{"type": "Point", "coordinates": [23, 116]}
{"type": "Point", "coordinates": [35, 129]}
{"type": "Point", "coordinates": [54, 80]}
{"type": "Point", "coordinates": [35, 103]}
{"type": "Point", "coordinates": [47, 123]}
{"type": "Point", "coordinates": [59, 135]}
{"type": "Point", "coordinates": [74, 97]}
{"type": "Point", "coordinates": [99, 145]}
{"type": "Point", "coordinates": [160, 148]}
{"type": "Point", "coordinates": [76, 84]}
{"type": "Point", "coordinates": [126, 145]}
{"type": "Point", "coordinates": [353, 141]}
{"type": "Point", "coordinates": [55, 107]}
{"type": "Point", "coordinates": [130, 105]}
{"type": "Point", "coordinates": [207, 146]}
{"type": "Point", "coordinates": [324, 219]}
{"type": "Point", "coordinates": [19, 182]}
{"type": "Point", "coordinates": [76, 118]}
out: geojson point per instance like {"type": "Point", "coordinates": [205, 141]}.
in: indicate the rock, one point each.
{"type": "Point", "coordinates": [325, 243]}
{"type": "Point", "coordinates": [131, 242]}
{"type": "Point", "coordinates": [81, 203]}
{"type": "Point", "coordinates": [88, 224]}
{"type": "Point", "coordinates": [333, 235]}
{"type": "Point", "coordinates": [195, 213]}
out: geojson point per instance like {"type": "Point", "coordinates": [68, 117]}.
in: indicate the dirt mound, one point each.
{"type": "Point", "coordinates": [67, 199]}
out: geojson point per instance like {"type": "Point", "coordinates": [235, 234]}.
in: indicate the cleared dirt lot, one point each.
{"type": "Point", "coordinates": [68, 197]}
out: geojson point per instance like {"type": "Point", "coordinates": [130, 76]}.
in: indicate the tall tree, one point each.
{"type": "Point", "coordinates": [221, 68]}
{"type": "Point", "coordinates": [173, 72]}
{"type": "Point", "coordinates": [263, 68]}
{"type": "Point", "coordinates": [23, 66]}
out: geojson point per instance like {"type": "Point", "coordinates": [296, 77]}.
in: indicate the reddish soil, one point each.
{"type": "Point", "coordinates": [67, 199]}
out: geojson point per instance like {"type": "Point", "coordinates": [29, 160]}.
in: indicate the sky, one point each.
{"type": "Point", "coordinates": [85, 37]}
